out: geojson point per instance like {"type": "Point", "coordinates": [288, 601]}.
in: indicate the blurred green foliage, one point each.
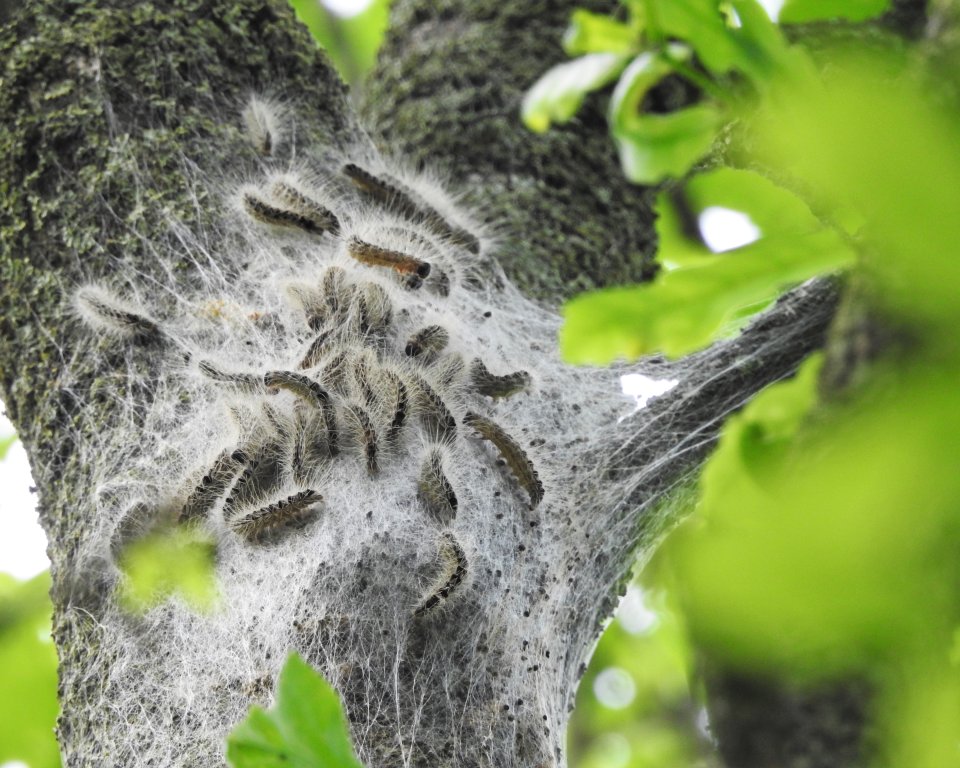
{"type": "Point", "coordinates": [305, 728]}
{"type": "Point", "coordinates": [5, 443]}
{"type": "Point", "coordinates": [28, 673]}
{"type": "Point", "coordinates": [170, 561]}
{"type": "Point", "coordinates": [350, 42]}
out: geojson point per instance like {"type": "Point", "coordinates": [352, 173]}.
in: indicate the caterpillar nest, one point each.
{"type": "Point", "coordinates": [318, 393]}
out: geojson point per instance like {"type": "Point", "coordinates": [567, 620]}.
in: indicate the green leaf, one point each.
{"type": "Point", "coordinates": [177, 561]}
{"type": "Point", "coordinates": [685, 309]}
{"type": "Point", "coordinates": [655, 146]}
{"type": "Point", "coordinates": [556, 97]}
{"type": "Point", "coordinates": [596, 33]}
{"type": "Point", "coordinates": [352, 43]}
{"type": "Point", "coordinates": [700, 24]}
{"type": "Point", "coordinates": [835, 552]}
{"type": "Point", "coordinates": [800, 11]}
{"type": "Point", "coordinates": [5, 443]}
{"type": "Point", "coordinates": [304, 729]}
{"type": "Point", "coordinates": [28, 660]}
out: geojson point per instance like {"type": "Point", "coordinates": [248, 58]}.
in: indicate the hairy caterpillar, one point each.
{"type": "Point", "coordinates": [395, 196]}
{"type": "Point", "coordinates": [365, 434]}
{"type": "Point", "coordinates": [430, 340]}
{"type": "Point", "coordinates": [375, 256]}
{"type": "Point", "coordinates": [452, 573]}
{"type": "Point", "coordinates": [448, 369]}
{"type": "Point", "coordinates": [103, 310]}
{"type": "Point", "coordinates": [253, 525]}
{"type": "Point", "coordinates": [263, 125]}
{"type": "Point", "coordinates": [434, 412]}
{"type": "Point", "coordinates": [364, 371]}
{"type": "Point", "coordinates": [244, 382]}
{"type": "Point", "coordinates": [434, 488]}
{"type": "Point", "coordinates": [310, 436]}
{"type": "Point", "coordinates": [512, 453]}
{"type": "Point", "coordinates": [487, 383]}
{"type": "Point", "coordinates": [213, 485]}
{"type": "Point", "coordinates": [310, 391]}
{"type": "Point", "coordinates": [241, 486]}
{"type": "Point", "coordinates": [376, 310]}
{"type": "Point", "coordinates": [266, 213]}
{"type": "Point", "coordinates": [315, 352]}
{"type": "Point", "coordinates": [401, 404]}
{"type": "Point", "coordinates": [323, 218]}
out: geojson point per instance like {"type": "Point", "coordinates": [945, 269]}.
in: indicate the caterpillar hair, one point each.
{"type": "Point", "coordinates": [316, 351]}
{"type": "Point", "coordinates": [243, 382]}
{"type": "Point", "coordinates": [434, 412]}
{"type": "Point", "coordinates": [435, 489]}
{"type": "Point", "coordinates": [213, 485]}
{"type": "Point", "coordinates": [513, 454]}
{"type": "Point", "coordinates": [494, 386]}
{"type": "Point", "coordinates": [266, 213]}
{"type": "Point", "coordinates": [334, 372]}
{"type": "Point", "coordinates": [453, 572]}
{"type": "Point", "coordinates": [311, 392]}
{"type": "Point", "coordinates": [311, 447]}
{"type": "Point", "coordinates": [376, 310]}
{"type": "Point", "coordinates": [365, 434]}
{"type": "Point", "coordinates": [448, 370]}
{"type": "Point", "coordinates": [376, 256]}
{"type": "Point", "coordinates": [401, 404]}
{"type": "Point", "coordinates": [263, 125]}
{"type": "Point", "coordinates": [365, 370]}
{"type": "Point", "coordinates": [323, 218]}
{"type": "Point", "coordinates": [102, 310]}
{"type": "Point", "coordinates": [395, 196]}
{"type": "Point", "coordinates": [253, 525]}
{"type": "Point", "coordinates": [430, 341]}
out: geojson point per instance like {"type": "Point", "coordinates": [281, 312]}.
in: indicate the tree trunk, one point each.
{"type": "Point", "coordinates": [122, 149]}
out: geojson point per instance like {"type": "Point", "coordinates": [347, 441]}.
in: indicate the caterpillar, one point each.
{"type": "Point", "coordinates": [397, 197]}
{"type": "Point", "coordinates": [364, 371]}
{"type": "Point", "coordinates": [214, 483]}
{"type": "Point", "coordinates": [263, 125]}
{"type": "Point", "coordinates": [244, 382]}
{"type": "Point", "coordinates": [513, 454]}
{"type": "Point", "coordinates": [401, 404]}
{"type": "Point", "coordinates": [366, 434]}
{"type": "Point", "coordinates": [487, 383]}
{"type": "Point", "coordinates": [375, 256]}
{"type": "Point", "coordinates": [452, 574]}
{"type": "Point", "coordinates": [259, 209]}
{"type": "Point", "coordinates": [253, 525]}
{"type": "Point", "coordinates": [307, 389]}
{"type": "Point", "coordinates": [315, 352]}
{"type": "Point", "coordinates": [435, 414]}
{"type": "Point", "coordinates": [376, 310]}
{"type": "Point", "coordinates": [430, 340]}
{"type": "Point", "coordinates": [308, 440]}
{"type": "Point", "coordinates": [435, 490]}
{"type": "Point", "coordinates": [448, 369]}
{"type": "Point", "coordinates": [334, 372]}
{"type": "Point", "coordinates": [103, 310]}
{"type": "Point", "coordinates": [242, 486]}
{"type": "Point", "coordinates": [322, 218]}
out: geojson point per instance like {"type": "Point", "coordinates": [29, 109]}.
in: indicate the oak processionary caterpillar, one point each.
{"type": "Point", "coordinates": [213, 485]}
{"type": "Point", "coordinates": [322, 218]}
{"type": "Point", "coordinates": [266, 213]}
{"type": "Point", "coordinates": [365, 434]}
{"type": "Point", "coordinates": [452, 573]}
{"type": "Point", "coordinates": [494, 386]}
{"type": "Point", "coordinates": [253, 525]}
{"type": "Point", "coordinates": [377, 256]}
{"type": "Point", "coordinates": [435, 489]}
{"type": "Point", "coordinates": [250, 383]}
{"type": "Point", "coordinates": [263, 125]}
{"type": "Point", "coordinates": [103, 310]}
{"type": "Point", "coordinates": [512, 453]}
{"type": "Point", "coordinates": [430, 340]}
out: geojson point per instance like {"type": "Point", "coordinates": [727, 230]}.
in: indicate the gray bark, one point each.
{"type": "Point", "coordinates": [108, 110]}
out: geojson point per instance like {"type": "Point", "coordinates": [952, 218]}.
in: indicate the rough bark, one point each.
{"type": "Point", "coordinates": [107, 110]}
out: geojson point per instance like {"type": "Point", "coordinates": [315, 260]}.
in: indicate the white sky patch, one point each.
{"type": "Point", "coordinates": [724, 229]}
{"type": "Point", "coordinates": [14, 763]}
{"type": "Point", "coordinates": [642, 388]}
{"type": "Point", "coordinates": [345, 9]}
{"type": "Point", "coordinates": [23, 543]}
{"type": "Point", "coordinates": [614, 688]}
{"type": "Point", "coordinates": [772, 7]}
{"type": "Point", "coordinates": [634, 615]}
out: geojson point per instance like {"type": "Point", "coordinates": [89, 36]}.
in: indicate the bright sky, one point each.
{"type": "Point", "coordinates": [22, 541]}
{"type": "Point", "coordinates": [347, 8]}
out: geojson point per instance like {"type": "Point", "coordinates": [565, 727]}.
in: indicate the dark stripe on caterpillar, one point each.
{"type": "Point", "coordinates": [245, 382]}
{"type": "Point", "coordinates": [435, 490]}
{"type": "Point", "coordinates": [375, 256]}
{"type": "Point", "coordinates": [494, 386]}
{"type": "Point", "coordinates": [213, 485]}
{"type": "Point", "coordinates": [253, 525]}
{"type": "Point", "coordinates": [365, 434]}
{"type": "Point", "coordinates": [322, 218]}
{"type": "Point", "coordinates": [452, 574]}
{"type": "Point", "coordinates": [309, 390]}
{"type": "Point", "coordinates": [103, 310]}
{"type": "Point", "coordinates": [429, 340]}
{"type": "Point", "coordinates": [512, 453]}
{"type": "Point", "coordinates": [401, 404]}
{"type": "Point", "coordinates": [315, 352]}
{"type": "Point", "coordinates": [264, 212]}
{"type": "Point", "coordinates": [434, 412]}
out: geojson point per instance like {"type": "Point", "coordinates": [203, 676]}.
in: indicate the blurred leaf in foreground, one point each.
{"type": "Point", "coordinates": [801, 11]}
{"type": "Point", "coordinates": [28, 673]}
{"type": "Point", "coordinates": [305, 728]}
{"type": "Point", "coordinates": [177, 561]}
{"type": "Point", "coordinates": [5, 443]}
